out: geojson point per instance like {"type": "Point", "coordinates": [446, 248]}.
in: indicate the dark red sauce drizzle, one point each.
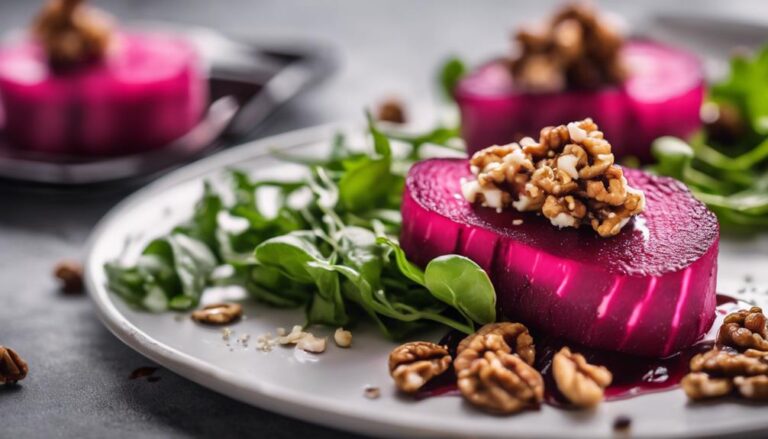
{"type": "Point", "coordinates": [632, 375]}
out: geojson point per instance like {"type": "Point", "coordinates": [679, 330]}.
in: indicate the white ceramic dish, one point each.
{"type": "Point", "coordinates": [328, 388]}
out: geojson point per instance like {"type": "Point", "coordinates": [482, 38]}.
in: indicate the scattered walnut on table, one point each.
{"type": "Point", "coordinates": [12, 367]}
{"type": "Point", "coordinates": [218, 313]}
{"type": "Point", "coordinates": [515, 336]}
{"type": "Point", "coordinates": [310, 343]}
{"type": "Point", "coordinates": [413, 364]}
{"type": "Point", "coordinates": [699, 385]}
{"type": "Point", "coordinates": [392, 110]}
{"type": "Point", "coordinates": [745, 329]}
{"type": "Point", "coordinates": [730, 364]}
{"type": "Point", "coordinates": [582, 383]}
{"type": "Point", "coordinates": [491, 378]}
{"type": "Point", "coordinates": [755, 387]}
{"type": "Point", "coordinates": [70, 276]}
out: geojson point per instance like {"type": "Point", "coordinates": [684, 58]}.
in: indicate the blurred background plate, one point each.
{"type": "Point", "coordinates": [248, 81]}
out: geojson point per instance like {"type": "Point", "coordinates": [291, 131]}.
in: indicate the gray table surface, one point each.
{"type": "Point", "coordinates": [78, 384]}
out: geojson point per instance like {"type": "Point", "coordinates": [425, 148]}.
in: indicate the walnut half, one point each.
{"type": "Point", "coordinates": [12, 367]}
{"type": "Point", "coordinates": [745, 329]}
{"type": "Point", "coordinates": [491, 378]}
{"type": "Point", "coordinates": [699, 385]}
{"type": "Point", "coordinates": [218, 313]}
{"type": "Point", "coordinates": [730, 364]}
{"type": "Point", "coordinates": [413, 364]}
{"type": "Point", "coordinates": [752, 387]}
{"type": "Point", "coordinates": [515, 335]}
{"type": "Point", "coordinates": [582, 383]}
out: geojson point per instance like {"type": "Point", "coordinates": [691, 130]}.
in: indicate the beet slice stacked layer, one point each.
{"type": "Point", "coordinates": [648, 291]}
{"type": "Point", "coordinates": [662, 96]}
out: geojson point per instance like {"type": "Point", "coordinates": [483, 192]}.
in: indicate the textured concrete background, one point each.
{"type": "Point", "coordinates": [78, 384]}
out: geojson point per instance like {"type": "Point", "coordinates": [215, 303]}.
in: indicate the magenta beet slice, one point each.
{"type": "Point", "coordinates": [649, 291]}
{"type": "Point", "coordinates": [662, 96]}
{"type": "Point", "coordinates": [149, 91]}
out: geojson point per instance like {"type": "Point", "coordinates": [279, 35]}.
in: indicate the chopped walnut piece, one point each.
{"type": "Point", "coordinates": [342, 338]}
{"type": "Point", "coordinates": [72, 33]}
{"type": "Point", "coordinates": [569, 175]}
{"type": "Point", "coordinates": [755, 387]}
{"type": "Point", "coordinates": [495, 380]}
{"type": "Point", "coordinates": [310, 343]}
{"type": "Point", "coordinates": [516, 338]}
{"type": "Point", "coordinates": [70, 276]}
{"type": "Point", "coordinates": [12, 367]}
{"type": "Point", "coordinates": [582, 383]}
{"type": "Point", "coordinates": [218, 313]}
{"type": "Point", "coordinates": [730, 364]}
{"type": "Point", "coordinates": [413, 364]}
{"type": "Point", "coordinates": [745, 329]}
{"type": "Point", "coordinates": [699, 385]}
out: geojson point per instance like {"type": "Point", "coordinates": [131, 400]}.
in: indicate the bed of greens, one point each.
{"type": "Point", "coordinates": [335, 255]}
{"type": "Point", "coordinates": [726, 164]}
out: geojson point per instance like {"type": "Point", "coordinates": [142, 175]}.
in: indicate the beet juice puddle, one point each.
{"type": "Point", "coordinates": [632, 375]}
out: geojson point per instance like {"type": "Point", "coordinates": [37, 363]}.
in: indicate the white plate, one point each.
{"type": "Point", "coordinates": [328, 388]}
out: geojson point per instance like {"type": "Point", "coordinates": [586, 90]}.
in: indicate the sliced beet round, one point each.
{"type": "Point", "coordinates": [649, 291]}
{"type": "Point", "coordinates": [662, 96]}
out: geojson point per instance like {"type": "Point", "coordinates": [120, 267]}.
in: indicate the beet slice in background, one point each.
{"type": "Point", "coordinates": [662, 96]}
{"type": "Point", "coordinates": [150, 90]}
{"type": "Point", "coordinates": [649, 291]}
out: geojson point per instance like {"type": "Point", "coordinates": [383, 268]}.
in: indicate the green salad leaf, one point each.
{"type": "Point", "coordinates": [334, 255]}
{"type": "Point", "coordinates": [728, 172]}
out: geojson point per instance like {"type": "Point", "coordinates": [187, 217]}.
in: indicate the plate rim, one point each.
{"type": "Point", "coordinates": [267, 396]}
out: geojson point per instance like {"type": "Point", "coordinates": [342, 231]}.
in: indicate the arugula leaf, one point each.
{"type": "Point", "coordinates": [450, 73]}
{"type": "Point", "coordinates": [407, 268]}
{"type": "Point", "coordinates": [462, 284]}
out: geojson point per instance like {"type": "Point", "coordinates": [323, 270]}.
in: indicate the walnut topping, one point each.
{"type": "Point", "coordinates": [71, 33]}
{"type": "Point", "coordinates": [575, 50]}
{"type": "Point", "coordinates": [495, 380]}
{"type": "Point", "coordinates": [218, 313]}
{"type": "Point", "coordinates": [699, 385]}
{"type": "Point", "coordinates": [745, 329]}
{"type": "Point", "coordinates": [568, 175]}
{"type": "Point", "coordinates": [582, 383]}
{"type": "Point", "coordinates": [413, 364]}
{"type": "Point", "coordinates": [12, 367]}
{"type": "Point", "coordinates": [515, 336]}
{"type": "Point", "coordinates": [752, 387]}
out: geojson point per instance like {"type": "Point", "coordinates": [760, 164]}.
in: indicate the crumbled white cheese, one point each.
{"type": "Point", "coordinates": [522, 203]}
{"type": "Point", "coordinates": [474, 169]}
{"type": "Point", "coordinates": [470, 189]}
{"type": "Point", "coordinates": [577, 133]}
{"type": "Point", "coordinates": [568, 163]}
{"type": "Point", "coordinates": [493, 198]}
{"type": "Point", "coordinates": [563, 220]}
{"type": "Point", "coordinates": [225, 333]}
{"type": "Point", "coordinates": [517, 222]}
{"type": "Point", "coordinates": [527, 141]}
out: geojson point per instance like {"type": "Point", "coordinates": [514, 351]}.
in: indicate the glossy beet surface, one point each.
{"type": "Point", "coordinates": [149, 91]}
{"type": "Point", "coordinates": [662, 96]}
{"type": "Point", "coordinates": [649, 290]}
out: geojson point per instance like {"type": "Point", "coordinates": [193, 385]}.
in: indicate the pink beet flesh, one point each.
{"type": "Point", "coordinates": [662, 96]}
{"type": "Point", "coordinates": [149, 91]}
{"type": "Point", "coordinates": [648, 291]}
